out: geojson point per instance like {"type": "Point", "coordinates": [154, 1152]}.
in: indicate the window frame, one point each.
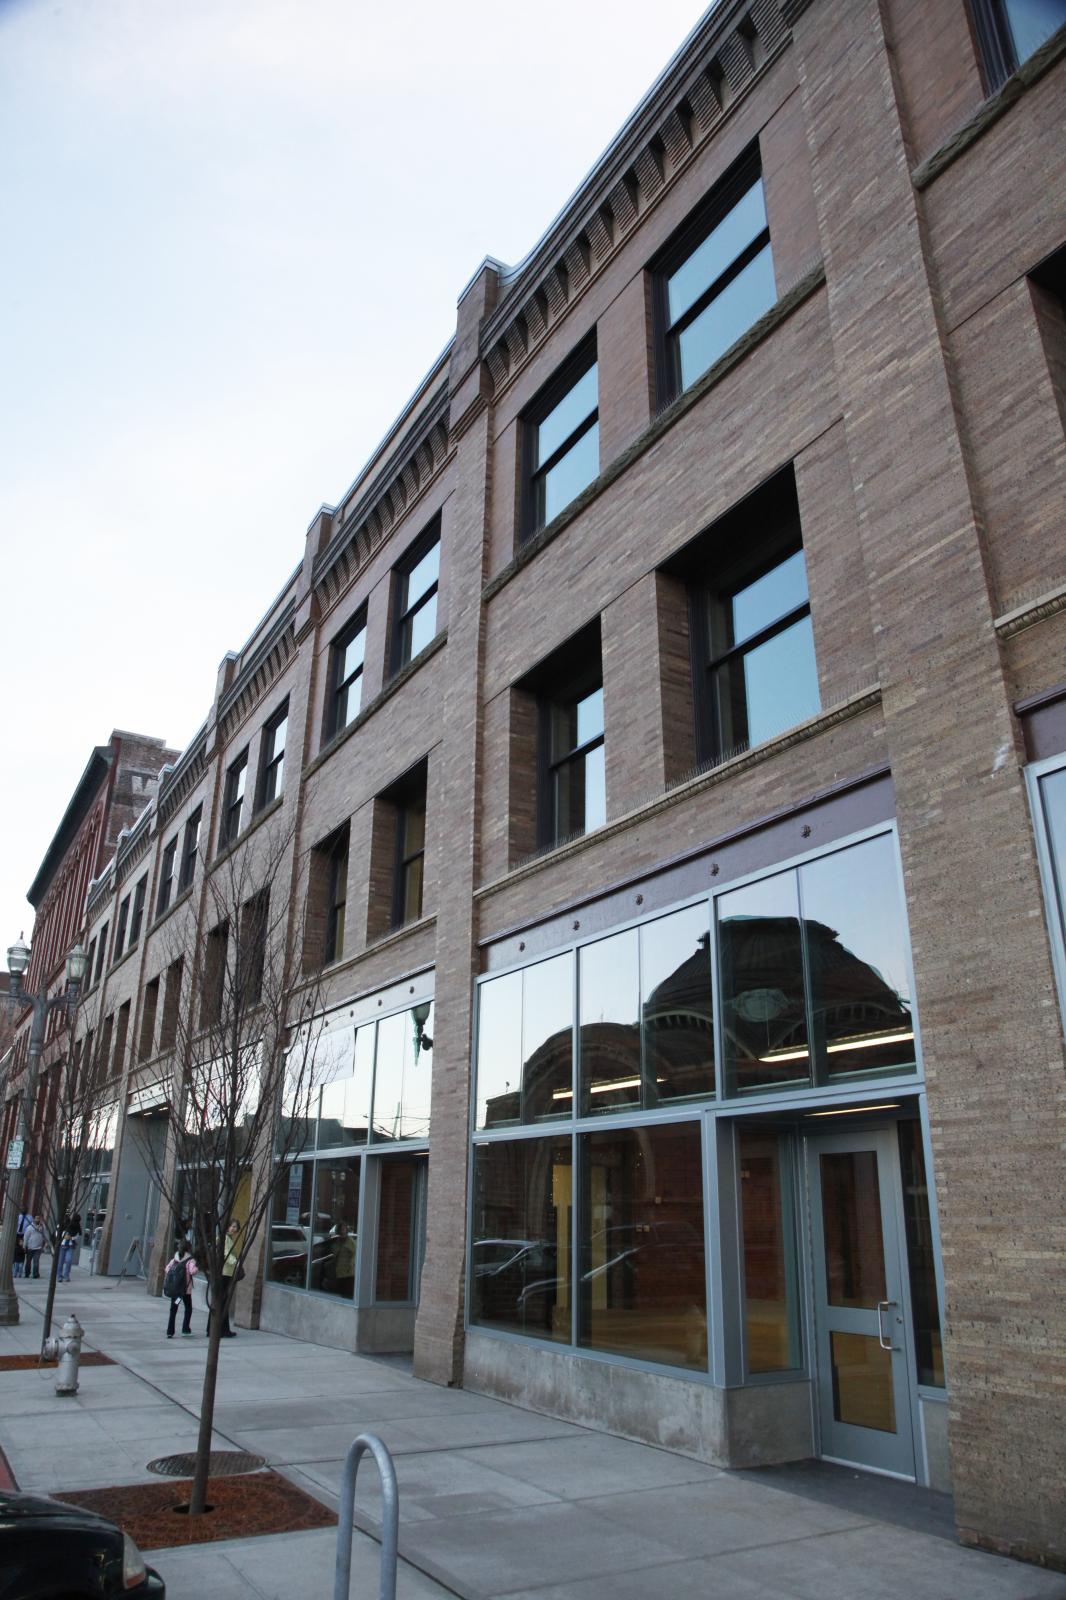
{"type": "Point", "coordinates": [414, 787]}
{"type": "Point", "coordinates": [233, 800]}
{"type": "Point", "coordinates": [271, 760]}
{"type": "Point", "coordinates": [403, 614]}
{"type": "Point", "coordinates": [998, 55]}
{"type": "Point", "coordinates": [190, 848]}
{"type": "Point", "coordinates": [167, 876]}
{"type": "Point", "coordinates": [1053, 891]}
{"type": "Point", "coordinates": [712, 210]}
{"type": "Point", "coordinates": [337, 686]}
{"type": "Point", "coordinates": [136, 922]}
{"type": "Point", "coordinates": [120, 929]}
{"type": "Point", "coordinates": [549, 766]}
{"type": "Point", "coordinates": [337, 853]}
{"type": "Point", "coordinates": [567, 377]}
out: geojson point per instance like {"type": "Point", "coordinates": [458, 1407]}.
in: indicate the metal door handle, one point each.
{"type": "Point", "coordinates": [882, 1305]}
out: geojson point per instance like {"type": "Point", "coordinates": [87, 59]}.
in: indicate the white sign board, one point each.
{"type": "Point", "coordinates": [14, 1154]}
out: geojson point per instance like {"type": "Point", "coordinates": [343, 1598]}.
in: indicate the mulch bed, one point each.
{"type": "Point", "coordinates": [259, 1502]}
{"type": "Point", "coordinates": [88, 1358]}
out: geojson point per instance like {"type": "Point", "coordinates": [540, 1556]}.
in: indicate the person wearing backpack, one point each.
{"type": "Point", "coordinates": [177, 1286]}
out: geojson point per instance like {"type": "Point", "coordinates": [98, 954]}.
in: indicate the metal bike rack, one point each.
{"type": "Point", "coordinates": [390, 1517]}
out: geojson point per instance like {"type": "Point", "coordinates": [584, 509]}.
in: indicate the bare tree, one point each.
{"type": "Point", "coordinates": [74, 1143]}
{"type": "Point", "coordinates": [241, 1081]}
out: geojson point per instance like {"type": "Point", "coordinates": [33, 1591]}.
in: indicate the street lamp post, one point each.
{"type": "Point", "coordinates": [18, 959]}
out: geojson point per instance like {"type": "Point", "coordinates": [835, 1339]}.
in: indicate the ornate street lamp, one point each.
{"type": "Point", "coordinates": [18, 960]}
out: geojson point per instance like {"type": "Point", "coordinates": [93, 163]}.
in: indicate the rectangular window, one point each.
{"type": "Point", "coordinates": [233, 800]}
{"type": "Point", "coordinates": [149, 1006]}
{"type": "Point", "coordinates": [168, 1028]}
{"type": "Point", "coordinates": [106, 1036]}
{"type": "Point", "coordinates": [1010, 31]}
{"type": "Point", "coordinates": [140, 889]}
{"type": "Point", "coordinates": [562, 439]}
{"type": "Point", "coordinates": [572, 786]}
{"type": "Point", "coordinates": [121, 1032]}
{"type": "Point", "coordinates": [641, 1270]}
{"type": "Point", "coordinates": [394, 1274]}
{"type": "Point", "coordinates": [215, 990]}
{"type": "Point", "coordinates": [335, 1227]}
{"type": "Point", "coordinates": [410, 850]}
{"type": "Point", "coordinates": [525, 1049]}
{"type": "Point", "coordinates": [403, 1074]}
{"type": "Point", "coordinates": [836, 924]}
{"type": "Point", "coordinates": [921, 1257]}
{"type": "Point", "coordinates": [347, 1068]}
{"type": "Point", "coordinates": [416, 600]}
{"type": "Point", "coordinates": [520, 1271]}
{"type": "Point", "coordinates": [255, 922]}
{"type": "Point", "coordinates": [714, 280]}
{"type": "Point", "coordinates": [190, 847]}
{"type": "Point", "coordinates": [89, 978]}
{"type": "Point", "coordinates": [771, 1335]}
{"type": "Point", "coordinates": [166, 876]}
{"type": "Point", "coordinates": [272, 760]}
{"type": "Point", "coordinates": [345, 692]}
{"type": "Point", "coordinates": [336, 896]}
{"type": "Point", "coordinates": [1047, 791]}
{"type": "Point", "coordinates": [120, 930]}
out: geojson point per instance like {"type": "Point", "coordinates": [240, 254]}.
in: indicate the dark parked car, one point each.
{"type": "Point", "coordinates": [52, 1551]}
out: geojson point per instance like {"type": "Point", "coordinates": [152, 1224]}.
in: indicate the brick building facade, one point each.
{"type": "Point", "coordinates": [668, 728]}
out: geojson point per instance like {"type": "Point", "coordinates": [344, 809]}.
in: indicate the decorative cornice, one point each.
{"type": "Point", "coordinates": [699, 783]}
{"type": "Point", "coordinates": [264, 667]}
{"type": "Point", "coordinates": [730, 48]}
{"type": "Point", "coordinates": [133, 845]}
{"type": "Point", "coordinates": [778, 313]}
{"type": "Point", "coordinates": [183, 779]}
{"type": "Point", "coordinates": [413, 465]}
{"type": "Point", "coordinates": [1011, 623]}
{"type": "Point", "coordinates": [990, 111]}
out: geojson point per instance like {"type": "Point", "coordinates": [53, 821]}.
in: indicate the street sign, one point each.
{"type": "Point", "coordinates": [14, 1154]}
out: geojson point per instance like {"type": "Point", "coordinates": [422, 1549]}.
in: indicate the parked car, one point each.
{"type": "Point", "coordinates": [51, 1549]}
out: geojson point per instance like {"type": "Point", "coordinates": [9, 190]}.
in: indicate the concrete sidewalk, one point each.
{"type": "Point", "coordinates": [494, 1500]}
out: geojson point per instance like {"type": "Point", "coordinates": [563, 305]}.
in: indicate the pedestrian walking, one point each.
{"type": "Point", "coordinates": [19, 1266]}
{"type": "Point", "coordinates": [34, 1240]}
{"type": "Point", "coordinates": [181, 1269]}
{"type": "Point", "coordinates": [231, 1274]}
{"type": "Point", "coordinates": [67, 1240]}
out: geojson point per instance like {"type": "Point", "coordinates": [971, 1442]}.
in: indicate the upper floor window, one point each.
{"type": "Point", "coordinates": [272, 763]}
{"type": "Point", "coordinates": [416, 601]}
{"type": "Point", "coordinates": [336, 896]}
{"type": "Point", "coordinates": [1011, 31]}
{"type": "Point", "coordinates": [166, 876]}
{"type": "Point", "coordinates": [410, 848]}
{"type": "Point", "coordinates": [753, 648]}
{"type": "Point", "coordinates": [120, 930]}
{"type": "Point", "coordinates": [562, 439]}
{"type": "Point", "coordinates": [101, 954]}
{"type": "Point", "coordinates": [233, 800]}
{"type": "Point", "coordinates": [568, 685]}
{"type": "Point", "coordinates": [140, 889]}
{"type": "Point", "coordinates": [714, 280]}
{"type": "Point", "coordinates": [346, 676]}
{"type": "Point", "coordinates": [1047, 789]}
{"type": "Point", "coordinates": [192, 844]}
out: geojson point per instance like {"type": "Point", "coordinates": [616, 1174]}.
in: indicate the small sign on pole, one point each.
{"type": "Point", "coordinates": [14, 1154]}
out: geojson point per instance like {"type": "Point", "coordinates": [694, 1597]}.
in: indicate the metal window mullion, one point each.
{"type": "Point", "coordinates": [772, 629]}
{"type": "Point", "coordinates": [573, 437]}
{"type": "Point", "coordinates": [816, 1057]}
{"type": "Point", "coordinates": [723, 280]}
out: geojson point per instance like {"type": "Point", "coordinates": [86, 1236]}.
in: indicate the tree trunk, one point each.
{"type": "Point", "coordinates": [198, 1497]}
{"type": "Point", "coordinates": [51, 1300]}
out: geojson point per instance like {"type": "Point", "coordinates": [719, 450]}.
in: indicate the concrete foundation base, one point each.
{"type": "Point", "coordinates": [366, 1330]}
{"type": "Point", "coordinates": [758, 1426]}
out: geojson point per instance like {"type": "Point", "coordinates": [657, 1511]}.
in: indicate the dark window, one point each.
{"type": "Point", "coordinates": [336, 896]}
{"type": "Point", "coordinates": [101, 954]}
{"type": "Point", "coordinates": [166, 876]}
{"type": "Point", "coordinates": [89, 966]}
{"type": "Point", "coordinates": [190, 847]}
{"type": "Point", "coordinates": [346, 677]}
{"type": "Point", "coordinates": [572, 797]}
{"type": "Point", "coordinates": [120, 1035]}
{"type": "Point", "coordinates": [272, 761]}
{"type": "Point", "coordinates": [921, 1257]}
{"type": "Point", "coordinates": [168, 1028]}
{"type": "Point", "coordinates": [140, 889]}
{"type": "Point", "coordinates": [714, 280]}
{"type": "Point", "coordinates": [1010, 31]}
{"type": "Point", "coordinates": [754, 672]}
{"type": "Point", "coordinates": [216, 948]}
{"type": "Point", "coordinates": [416, 600]}
{"type": "Point", "coordinates": [120, 930]}
{"type": "Point", "coordinates": [520, 1251]}
{"type": "Point", "coordinates": [149, 1006]}
{"type": "Point", "coordinates": [562, 439]}
{"type": "Point", "coordinates": [255, 918]}
{"type": "Point", "coordinates": [410, 849]}
{"type": "Point", "coordinates": [233, 800]}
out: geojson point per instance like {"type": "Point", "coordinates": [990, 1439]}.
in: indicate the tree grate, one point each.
{"type": "Point", "coordinates": [223, 1464]}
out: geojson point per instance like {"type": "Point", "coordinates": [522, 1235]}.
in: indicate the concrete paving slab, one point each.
{"type": "Point", "coordinates": [579, 1466]}
{"type": "Point", "coordinates": [298, 1567]}
{"type": "Point", "coordinates": [706, 1519]}
{"type": "Point", "coordinates": [431, 1487]}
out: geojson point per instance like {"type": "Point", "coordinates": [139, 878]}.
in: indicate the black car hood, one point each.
{"type": "Point", "coordinates": [16, 1508]}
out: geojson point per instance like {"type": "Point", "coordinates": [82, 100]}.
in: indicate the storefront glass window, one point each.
{"type": "Point", "coordinates": [853, 924]}
{"type": "Point", "coordinates": [609, 982]}
{"type": "Point", "coordinates": [921, 1260]}
{"type": "Point", "coordinates": [520, 1250]}
{"type": "Point", "coordinates": [348, 1073]}
{"type": "Point", "coordinates": [764, 1014]}
{"type": "Point", "coordinates": [525, 1045]}
{"type": "Point", "coordinates": [290, 1227]}
{"type": "Point", "coordinates": [334, 1227]}
{"type": "Point", "coordinates": [641, 1276]}
{"type": "Point", "coordinates": [402, 1075]}
{"type": "Point", "coordinates": [676, 1016]}
{"type": "Point", "coordinates": [770, 1336]}
{"type": "Point", "coordinates": [397, 1202]}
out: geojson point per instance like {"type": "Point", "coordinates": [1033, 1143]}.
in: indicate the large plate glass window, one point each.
{"type": "Point", "coordinates": [520, 1245]}
{"type": "Point", "coordinates": [525, 1044]}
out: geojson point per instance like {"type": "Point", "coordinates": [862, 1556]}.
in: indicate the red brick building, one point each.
{"type": "Point", "coordinates": [671, 721]}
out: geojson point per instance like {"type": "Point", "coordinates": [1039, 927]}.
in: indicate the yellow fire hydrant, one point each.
{"type": "Point", "coordinates": [68, 1350]}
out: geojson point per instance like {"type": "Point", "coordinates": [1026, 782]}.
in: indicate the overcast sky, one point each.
{"type": "Point", "coordinates": [234, 236]}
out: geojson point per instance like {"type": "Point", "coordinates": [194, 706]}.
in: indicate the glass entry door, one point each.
{"type": "Point", "coordinates": [863, 1365]}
